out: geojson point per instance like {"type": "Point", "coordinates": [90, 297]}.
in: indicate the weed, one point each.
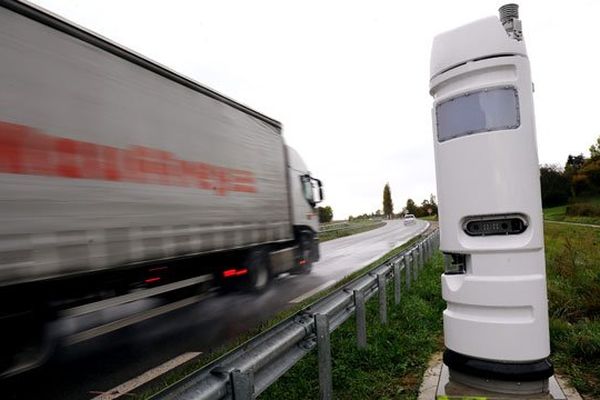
{"type": "Point", "coordinates": [573, 269]}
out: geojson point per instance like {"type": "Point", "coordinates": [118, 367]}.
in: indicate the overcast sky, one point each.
{"type": "Point", "coordinates": [349, 80]}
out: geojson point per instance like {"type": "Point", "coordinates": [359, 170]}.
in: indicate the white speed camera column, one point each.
{"type": "Point", "coordinates": [496, 320]}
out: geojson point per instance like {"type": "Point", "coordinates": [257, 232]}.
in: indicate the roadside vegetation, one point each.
{"type": "Point", "coordinates": [338, 230]}
{"type": "Point", "coordinates": [582, 211]}
{"type": "Point", "coordinates": [573, 267]}
{"type": "Point", "coordinates": [572, 193]}
{"type": "Point", "coordinates": [392, 365]}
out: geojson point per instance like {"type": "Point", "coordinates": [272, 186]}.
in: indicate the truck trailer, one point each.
{"type": "Point", "coordinates": [120, 178]}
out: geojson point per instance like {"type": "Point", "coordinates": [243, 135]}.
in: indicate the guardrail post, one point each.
{"type": "Point", "coordinates": [324, 354]}
{"type": "Point", "coordinates": [406, 261]}
{"type": "Point", "coordinates": [382, 298]}
{"type": "Point", "coordinates": [397, 283]}
{"type": "Point", "coordinates": [242, 385]}
{"type": "Point", "coordinates": [415, 264]}
{"type": "Point", "coordinates": [361, 319]}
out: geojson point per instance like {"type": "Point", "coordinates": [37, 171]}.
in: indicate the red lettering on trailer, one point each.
{"type": "Point", "coordinates": [68, 160]}
{"type": "Point", "coordinates": [27, 151]}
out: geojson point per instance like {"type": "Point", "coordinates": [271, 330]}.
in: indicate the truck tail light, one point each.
{"type": "Point", "coordinates": [230, 273]}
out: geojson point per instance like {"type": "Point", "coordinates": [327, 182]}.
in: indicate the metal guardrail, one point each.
{"type": "Point", "coordinates": [250, 369]}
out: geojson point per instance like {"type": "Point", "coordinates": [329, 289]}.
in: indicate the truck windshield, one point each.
{"type": "Point", "coordinates": [485, 110]}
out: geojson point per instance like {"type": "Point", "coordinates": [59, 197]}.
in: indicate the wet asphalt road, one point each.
{"type": "Point", "coordinates": [83, 370]}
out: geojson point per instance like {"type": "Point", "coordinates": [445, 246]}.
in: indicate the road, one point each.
{"type": "Point", "coordinates": [85, 369]}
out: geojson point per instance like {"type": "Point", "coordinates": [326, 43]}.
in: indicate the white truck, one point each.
{"type": "Point", "coordinates": [119, 176]}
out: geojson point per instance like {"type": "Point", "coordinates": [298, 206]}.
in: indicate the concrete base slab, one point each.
{"type": "Point", "coordinates": [437, 385]}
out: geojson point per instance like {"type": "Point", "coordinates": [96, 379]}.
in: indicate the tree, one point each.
{"type": "Point", "coordinates": [388, 206]}
{"type": "Point", "coordinates": [595, 150]}
{"type": "Point", "coordinates": [433, 204]}
{"type": "Point", "coordinates": [577, 182]}
{"type": "Point", "coordinates": [411, 207]}
{"type": "Point", "coordinates": [555, 186]}
{"type": "Point", "coordinates": [425, 209]}
{"type": "Point", "coordinates": [325, 214]}
{"type": "Point", "coordinates": [574, 163]}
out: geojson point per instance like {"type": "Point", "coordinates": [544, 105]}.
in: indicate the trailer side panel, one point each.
{"type": "Point", "coordinates": [105, 163]}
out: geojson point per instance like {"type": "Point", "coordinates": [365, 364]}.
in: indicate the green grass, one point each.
{"type": "Point", "coordinates": [560, 213]}
{"type": "Point", "coordinates": [587, 199]}
{"type": "Point", "coordinates": [573, 268]}
{"type": "Point", "coordinates": [430, 218]}
{"type": "Point", "coordinates": [392, 365]}
{"type": "Point", "coordinates": [555, 213]}
{"type": "Point", "coordinates": [347, 229]}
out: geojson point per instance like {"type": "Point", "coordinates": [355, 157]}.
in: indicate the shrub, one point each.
{"type": "Point", "coordinates": [583, 210]}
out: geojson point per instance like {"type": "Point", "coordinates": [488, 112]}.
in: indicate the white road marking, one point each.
{"type": "Point", "coordinates": [123, 322]}
{"type": "Point", "coordinates": [127, 298]}
{"type": "Point", "coordinates": [313, 291]}
{"type": "Point", "coordinates": [145, 377]}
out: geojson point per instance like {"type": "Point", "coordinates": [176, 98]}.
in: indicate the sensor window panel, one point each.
{"type": "Point", "coordinates": [486, 110]}
{"type": "Point", "coordinates": [512, 224]}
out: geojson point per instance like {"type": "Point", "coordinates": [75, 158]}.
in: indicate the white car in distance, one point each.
{"type": "Point", "coordinates": [409, 219]}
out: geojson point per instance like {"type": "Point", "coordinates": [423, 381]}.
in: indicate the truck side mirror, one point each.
{"type": "Point", "coordinates": [320, 189]}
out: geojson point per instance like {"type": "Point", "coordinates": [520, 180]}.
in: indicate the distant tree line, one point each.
{"type": "Point", "coordinates": [580, 177]}
{"type": "Point", "coordinates": [374, 215]}
{"type": "Point", "coordinates": [427, 207]}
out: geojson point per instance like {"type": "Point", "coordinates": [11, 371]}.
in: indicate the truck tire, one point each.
{"type": "Point", "coordinates": [306, 240]}
{"type": "Point", "coordinates": [259, 272]}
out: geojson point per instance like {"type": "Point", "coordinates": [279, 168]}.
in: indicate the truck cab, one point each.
{"type": "Point", "coordinates": [305, 193]}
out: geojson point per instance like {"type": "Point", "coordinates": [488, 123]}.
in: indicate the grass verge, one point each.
{"type": "Point", "coordinates": [392, 365]}
{"type": "Point", "coordinates": [147, 391]}
{"type": "Point", "coordinates": [560, 214]}
{"type": "Point", "coordinates": [573, 268]}
{"type": "Point", "coordinates": [582, 211]}
{"type": "Point", "coordinates": [352, 228]}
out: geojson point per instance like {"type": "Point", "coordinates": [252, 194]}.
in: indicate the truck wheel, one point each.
{"type": "Point", "coordinates": [305, 255]}
{"type": "Point", "coordinates": [259, 274]}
